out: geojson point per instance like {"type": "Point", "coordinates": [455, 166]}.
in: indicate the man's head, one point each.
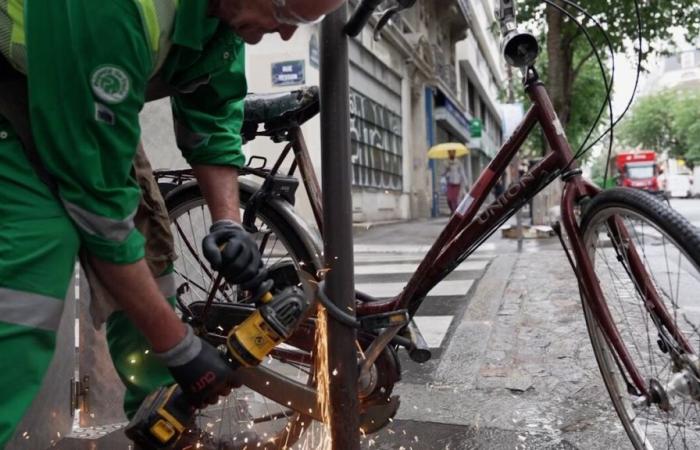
{"type": "Point", "coordinates": [251, 19]}
{"type": "Point", "coordinates": [451, 154]}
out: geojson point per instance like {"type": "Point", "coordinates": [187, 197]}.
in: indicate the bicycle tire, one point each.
{"type": "Point", "coordinates": [183, 201]}
{"type": "Point", "coordinates": [670, 247]}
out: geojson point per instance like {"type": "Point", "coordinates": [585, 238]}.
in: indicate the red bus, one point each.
{"type": "Point", "coordinates": [639, 170]}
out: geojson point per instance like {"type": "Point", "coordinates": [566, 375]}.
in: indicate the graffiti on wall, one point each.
{"type": "Point", "coordinates": [375, 133]}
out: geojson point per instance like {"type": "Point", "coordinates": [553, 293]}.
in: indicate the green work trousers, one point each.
{"type": "Point", "coordinates": [38, 249]}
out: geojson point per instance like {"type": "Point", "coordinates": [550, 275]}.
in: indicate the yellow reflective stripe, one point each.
{"type": "Point", "coordinates": [15, 9]}
{"type": "Point", "coordinates": [150, 15]}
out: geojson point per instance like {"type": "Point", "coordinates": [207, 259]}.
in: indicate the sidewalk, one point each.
{"type": "Point", "coordinates": [423, 232]}
{"type": "Point", "coordinates": [516, 370]}
{"type": "Point", "coordinates": [518, 373]}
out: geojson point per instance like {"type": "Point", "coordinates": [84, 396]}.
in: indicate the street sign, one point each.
{"type": "Point", "coordinates": [288, 73]}
{"type": "Point", "coordinates": [475, 128]}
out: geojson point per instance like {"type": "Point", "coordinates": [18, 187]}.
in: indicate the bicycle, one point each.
{"type": "Point", "coordinates": [637, 263]}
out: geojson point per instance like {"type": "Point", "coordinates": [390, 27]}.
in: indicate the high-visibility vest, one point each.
{"type": "Point", "coordinates": [157, 17]}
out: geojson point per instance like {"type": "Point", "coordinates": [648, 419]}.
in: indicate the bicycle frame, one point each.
{"type": "Point", "coordinates": [471, 225]}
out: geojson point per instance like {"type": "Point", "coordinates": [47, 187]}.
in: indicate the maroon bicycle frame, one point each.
{"type": "Point", "coordinates": [471, 224]}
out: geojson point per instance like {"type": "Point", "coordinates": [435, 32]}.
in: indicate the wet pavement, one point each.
{"type": "Point", "coordinates": [512, 364]}
{"type": "Point", "coordinates": [515, 369]}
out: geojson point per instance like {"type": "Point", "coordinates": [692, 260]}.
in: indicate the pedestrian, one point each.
{"type": "Point", "coordinates": [73, 176]}
{"type": "Point", "coordinates": [456, 180]}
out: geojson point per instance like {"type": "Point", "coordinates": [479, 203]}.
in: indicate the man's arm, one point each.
{"type": "Point", "coordinates": [208, 123]}
{"type": "Point", "coordinates": [84, 101]}
{"type": "Point", "coordinates": [85, 95]}
{"type": "Point", "coordinates": [135, 290]}
{"type": "Point", "coordinates": [219, 185]}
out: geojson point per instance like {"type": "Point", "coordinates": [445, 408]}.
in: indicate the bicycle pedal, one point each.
{"type": "Point", "coordinates": [384, 320]}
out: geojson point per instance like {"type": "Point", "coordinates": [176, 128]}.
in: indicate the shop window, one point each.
{"type": "Point", "coordinates": [377, 143]}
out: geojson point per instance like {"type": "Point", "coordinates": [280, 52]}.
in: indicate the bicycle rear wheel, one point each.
{"type": "Point", "coordinates": [669, 248]}
{"type": "Point", "coordinates": [280, 244]}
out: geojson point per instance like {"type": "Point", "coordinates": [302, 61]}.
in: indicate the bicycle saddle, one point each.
{"type": "Point", "coordinates": [280, 111]}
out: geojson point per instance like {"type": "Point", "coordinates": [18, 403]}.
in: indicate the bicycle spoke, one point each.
{"type": "Point", "coordinates": [243, 409]}
{"type": "Point", "coordinates": [651, 345]}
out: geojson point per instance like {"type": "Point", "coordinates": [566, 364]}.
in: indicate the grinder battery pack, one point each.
{"type": "Point", "coordinates": [166, 414]}
{"type": "Point", "coordinates": [161, 419]}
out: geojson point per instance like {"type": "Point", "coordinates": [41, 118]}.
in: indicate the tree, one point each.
{"type": "Point", "coordinates": [666, 122]}
{"type": "Point", "coordinates": [588, 94]}
{"type": "Point", "coordinates": [687, 125]}
{"type": "Point", "coordinates": [650, 124]}
{"type": "Point", "coordinates": [567, 62]}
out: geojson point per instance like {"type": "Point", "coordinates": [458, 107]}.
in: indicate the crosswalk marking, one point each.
{"type": "Point", "coordinates": [382, 271]}
{"type": "Point", "coordinates": [433, 328]}
{"type": "Point", "coordinates": [455, 288]}
{"type": "Point", "coordinates": [371, 269]}
{"type": "Point", "coordinates": [381, 248]}
{"type": "Point", "coordinates": [384, 258]}
{"type": "Point", "coordinates": [377, 258]}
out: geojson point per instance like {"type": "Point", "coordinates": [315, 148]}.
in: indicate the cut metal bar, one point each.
{"type": "Point", "coordinates": [419, 350]}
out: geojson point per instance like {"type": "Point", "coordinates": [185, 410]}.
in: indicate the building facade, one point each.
{"type": "Point", "coordinates": [434, 74]}
{"type": "Point", "coordinates": [679, 70]}
{"type": "Point", "coordinates": [482, 80]}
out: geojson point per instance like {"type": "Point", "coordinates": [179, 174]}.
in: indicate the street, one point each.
{"type": "Point", "coordinates": [689, 208]}
{"type": "Point", "coordinates": [512, 363]}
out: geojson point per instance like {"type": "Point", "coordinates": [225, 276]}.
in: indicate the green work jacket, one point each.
{"type": "Point", "coordinates": [88, 64]}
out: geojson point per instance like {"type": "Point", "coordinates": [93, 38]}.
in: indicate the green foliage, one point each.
{"type": "Point", "coordinates": [576, 86]}
{"type": "Point", "coordinates": [618, 16]}
{"type": "Point", "coordinates": [588, 95]}
{"type": "Point", "coordinates": [598, 165]}
{"type": "Point", "coordinates": [665, 122]}
{"type": "Point", "coordinates": [600, 180]}
{"type": "Point", "coordinates": [650, 124]}
{"type": "Point", "coordinates": [687, 125]}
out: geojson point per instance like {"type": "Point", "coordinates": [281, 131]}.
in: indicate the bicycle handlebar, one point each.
{"type": "Point", "coordinates": [360, 17]}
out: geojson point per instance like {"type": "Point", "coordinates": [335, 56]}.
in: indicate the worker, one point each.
{"type": "Point", "coordinates": [456, 180]}
{"type": "Point", "coordinates": [89, 67]}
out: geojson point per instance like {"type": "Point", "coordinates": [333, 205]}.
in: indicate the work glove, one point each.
{"type": "Point", "coordinates": [200, 370]}
{"type": "Point", "coordinates": [231, 251]}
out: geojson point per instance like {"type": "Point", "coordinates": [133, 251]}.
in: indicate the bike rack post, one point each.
{"type": "Point", "coordinates": [337, 225]}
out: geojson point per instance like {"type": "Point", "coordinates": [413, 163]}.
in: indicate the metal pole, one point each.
{"type": "Point", "coordinates": [337, 225]}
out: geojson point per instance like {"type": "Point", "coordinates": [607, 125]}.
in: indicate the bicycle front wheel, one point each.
{"type": "Point", "coordinates": [289, 254]}
{"type": "Point", "coordinates": [662, 339]}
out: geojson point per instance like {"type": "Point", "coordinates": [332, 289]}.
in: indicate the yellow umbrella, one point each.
{"type": "Point", "coordinates": [440, 151]}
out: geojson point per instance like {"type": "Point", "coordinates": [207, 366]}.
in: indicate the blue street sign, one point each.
{"type": "Point", "coordinates": [288, 73]}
